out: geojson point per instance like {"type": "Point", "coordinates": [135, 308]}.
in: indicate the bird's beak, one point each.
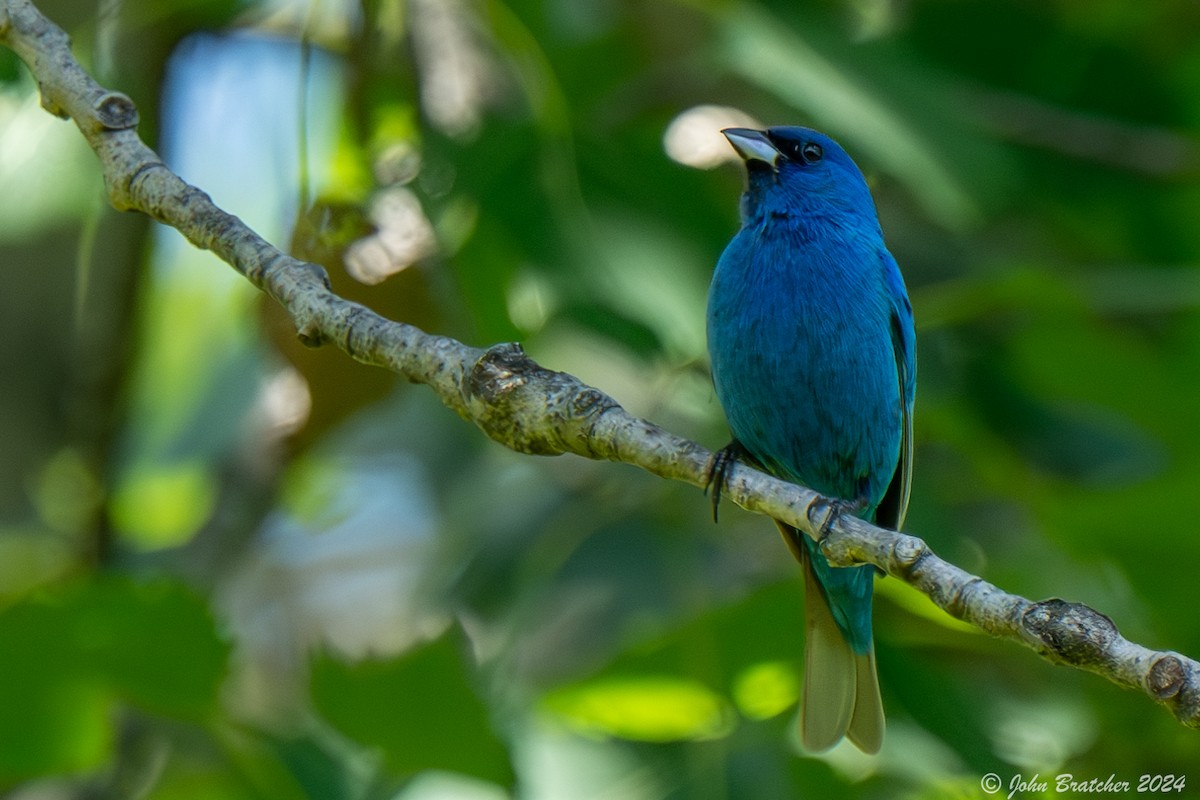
{"type": "Point", "coordinates": [752, 145]}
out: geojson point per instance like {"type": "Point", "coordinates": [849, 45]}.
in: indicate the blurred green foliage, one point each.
{"type": "Point", "coordinates": [443, 726]}
{"type": "Point", "coordinates": [234, 568]}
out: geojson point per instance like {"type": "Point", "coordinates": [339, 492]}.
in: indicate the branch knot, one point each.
{"type": "Point", "coordinates": [1072, 632]}
{"type": "Point", "coordinates": [116, 111]}
{"type": "Point", "coordinates": [1166, 677]}
{"type": "Point", "coordinates": [907, 554]}
{"type": "Point", "coordinates": [529, 408]}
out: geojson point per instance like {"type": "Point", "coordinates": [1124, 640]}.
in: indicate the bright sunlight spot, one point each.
{"type": "Point", "coordinates": [694, 137]}
{"type": "Point", "coordinates": [764, 690]}
{"type": "Point", "coordinates": [164, 506]}
{"type": "Point", "coordinates": [644, 708]}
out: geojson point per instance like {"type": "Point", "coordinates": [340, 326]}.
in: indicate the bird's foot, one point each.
{"type": "Point", "coordinates": [718, 469]}
{"type": "Point", "coordinates": [829, 510]}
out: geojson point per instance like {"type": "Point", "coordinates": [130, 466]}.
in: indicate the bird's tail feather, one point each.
{"type": "Point", "coordinates": [866, 723]}
{"type": "Point", "coordinates": [841, 690]}
{"type": "Point", "coordinates": [829, 673]}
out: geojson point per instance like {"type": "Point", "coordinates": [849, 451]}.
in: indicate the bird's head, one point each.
{"type": "Point", "coordinates": [799, 172]}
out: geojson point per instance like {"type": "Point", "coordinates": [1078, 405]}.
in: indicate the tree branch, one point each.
{"type": "Point", "coordinates": [535, 410]}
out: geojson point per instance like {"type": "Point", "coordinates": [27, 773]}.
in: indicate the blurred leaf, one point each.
{"type": "Point", "coordinates": [163, 506]}
{"type": "Point", "coordinates": [156, 642]}
{"type": "Point", "coordinates": [66, 493]}
{"type": "Point", "coordinates": [30, 558]}
{"type": "Point", "coordinates": [769, 53]}
{"type": "Point", "coordinates": [54, 719]}
{"type": "Point", "coordinates": [322, 770]}
{"type": "Point", "coordinates": [764, 627]}
{"type": "Point", "coordinates": [647, 708]}
{"type": "Point", "coordinates": [50, 160]}
{"type": "Point", "coordinates": [420, 710]}
{"type": "Point", "coordinates": [765, 690]}
{"type": "Point", "coordinates": [646, 274]}
{"type": "Point", "coordinates": [603, 321]}
{"type": "Point", "coordinates": [10, 66]}
{"type": "Point", "coordinates": [72, 653]}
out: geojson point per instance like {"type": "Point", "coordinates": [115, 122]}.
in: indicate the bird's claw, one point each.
{"type": "Point", "coordinates": [718, 469]}
{"type": "Point", "coordinates": [829, 510]}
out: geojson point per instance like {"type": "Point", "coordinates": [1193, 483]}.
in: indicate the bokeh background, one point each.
{"type": "Point", "coordinates": [234, 568]}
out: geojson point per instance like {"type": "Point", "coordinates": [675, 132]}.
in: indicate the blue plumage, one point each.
{"type": "Point", "coordinates": [810, 333]}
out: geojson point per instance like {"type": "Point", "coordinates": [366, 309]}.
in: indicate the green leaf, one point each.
{"type": "Point", "coordinates": [421, 710]}
{"type": "Point", "coordinates": [156, 644]}
{"type": "Point", "coordinates": [72, 654]}
{"type": "Point", "coordinates": [53, 720]}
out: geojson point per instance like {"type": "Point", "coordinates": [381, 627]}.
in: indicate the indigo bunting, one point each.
{"type": "Point", "coordinates": [810, 333]}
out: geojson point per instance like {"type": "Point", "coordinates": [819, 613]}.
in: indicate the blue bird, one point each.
{"type": "Point", "coordinates": [810, 333]}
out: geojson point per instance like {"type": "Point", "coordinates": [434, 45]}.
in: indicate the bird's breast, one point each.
{"type": "Point", "coordinates": [803, 362]}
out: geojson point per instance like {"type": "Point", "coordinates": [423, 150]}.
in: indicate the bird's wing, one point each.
{"type": "Point", "coordinates": [894, 506]}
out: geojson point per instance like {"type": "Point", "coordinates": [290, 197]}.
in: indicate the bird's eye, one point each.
{"type": "Point", "coordinates": [796, 150]}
